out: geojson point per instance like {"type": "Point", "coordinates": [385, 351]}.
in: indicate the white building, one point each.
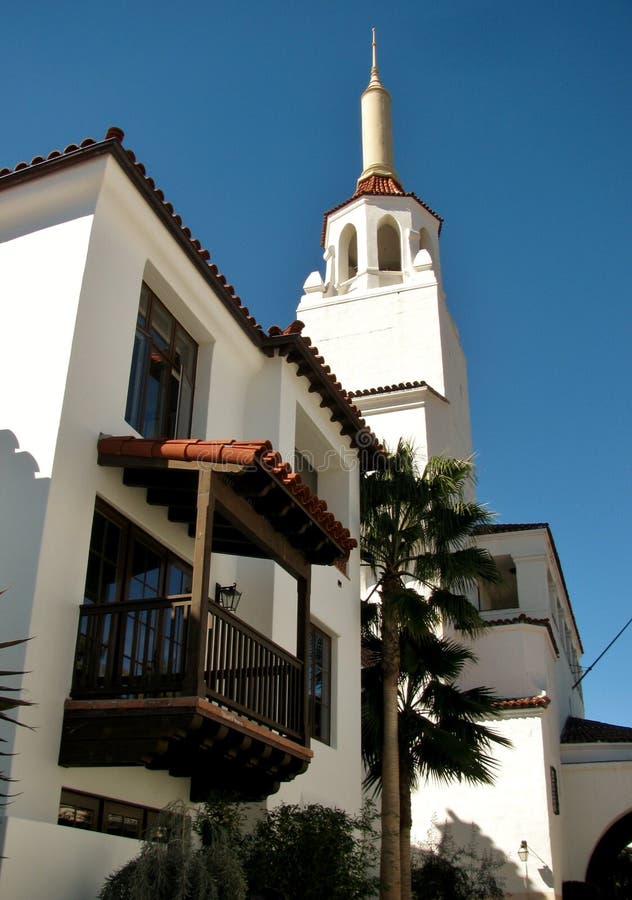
{"type": "Point", "coordinates": [380, 318]}
{"type": "Point", "coordinates": [146, 426]}
{"type": "Point", "coordinates": [114, 548]}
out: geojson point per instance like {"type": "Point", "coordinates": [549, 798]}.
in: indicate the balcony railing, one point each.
{"type": "Point", "coordinates": [139, 649]}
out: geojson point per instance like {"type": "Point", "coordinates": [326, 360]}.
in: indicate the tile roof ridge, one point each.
{"type": "Point", "coordinates": [114, 138]}
{"type": "Point", "coordinates": [391, 388]}
{"type": "Point", "coordinates": [589, 731]}
{"type": "Point", "coordinates": [234, 452]}
{"type": "Point", "coordinates": [534, 702]}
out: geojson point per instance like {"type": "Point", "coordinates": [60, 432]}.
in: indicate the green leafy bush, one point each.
{"type": "Point", "coordinates": [447, 872]}
{"type": "Point", "coordinates": [173, 865]}
{"type": "Point", "coordinates": [311, 852]}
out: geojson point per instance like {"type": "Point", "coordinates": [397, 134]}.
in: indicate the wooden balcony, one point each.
{"type": "Point", "coordinates": [130, 703]}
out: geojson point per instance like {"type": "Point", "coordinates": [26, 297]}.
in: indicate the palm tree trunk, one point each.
{"type": "Point", "coordinates": [389, 859]}
{"type": "Point", "coordinates": [405, 823]}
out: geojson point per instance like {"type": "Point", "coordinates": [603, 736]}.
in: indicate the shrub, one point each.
{"type": "Point", "coordinates": [446, 872]}
{"type": "Point", "coordinates": [311, 852]}
{"type": "Point", "coordinates": [173, 866]}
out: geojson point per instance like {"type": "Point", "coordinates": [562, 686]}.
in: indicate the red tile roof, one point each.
{"type": "Point", "coordinates": [587, 731]}
{"type": "Point", "coordinates": [299, 349]}
{"type": "Point", "coordinates": [402, 386]}
{"type": "Point", "coordinates": [539, 702]}
{"type": "Point", "coordinates": [377, 185]}
{"type": "Point", "coordinates": [526, 620]}
{"type": "Point", "coordinates": [534, 526]}
{"type": "Point", "coordinates": [320, 377]}
{"type": "Point", "coordinates": [257, 455]}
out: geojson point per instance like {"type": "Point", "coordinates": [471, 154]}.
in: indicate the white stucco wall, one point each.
{"type": "Point", "coordinates": [69, 387]}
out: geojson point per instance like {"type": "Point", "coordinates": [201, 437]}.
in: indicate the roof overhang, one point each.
{"type": "Point", "coordinates": [262, 508]}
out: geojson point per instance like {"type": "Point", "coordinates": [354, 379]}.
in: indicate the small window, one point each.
{"type": "Point", "coordinates": [94, 813]}
{"type": "Point", "coordinates": [319, 687]}
{"type": "Point", "coordinates": [162, 377]}
{"type": "Point", "coordinates": [555, 794]}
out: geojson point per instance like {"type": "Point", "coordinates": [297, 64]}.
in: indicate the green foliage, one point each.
{"type": "Point", "coordinates": [446, 872]}
{"type": "Point", "coordinates": [172, 866]}
{"type": "Point", "coordinates": [312, 852]}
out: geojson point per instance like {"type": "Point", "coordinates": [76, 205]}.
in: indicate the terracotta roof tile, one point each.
{"type": "Point", "coordinates": [526, 620]}
{"type": "Point", "coordinates": [391, 388]}
{"type": "Point", "coordinates": [539, 702]}
{"type": "Point", "coordinates": [587, 731]}
{"type": "Point", "coordinates": [297, 348]}
{"type": "Point", "coordinates": [259, 454]}
{"type": "Point", "coordinates": [383, 187]}
{"type": "Point", "coordinates": [320, 375]}
{"type": "Point", "coordinates": [379, 184]}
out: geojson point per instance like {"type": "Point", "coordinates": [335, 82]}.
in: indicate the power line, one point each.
{"type": "Point", "coordinates": [603, 653]}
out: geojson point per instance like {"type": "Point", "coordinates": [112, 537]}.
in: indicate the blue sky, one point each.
{"type": "Point", "coordinates": [511, 119]}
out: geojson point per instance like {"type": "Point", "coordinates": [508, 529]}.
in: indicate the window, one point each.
{"type": "Point", "coordinates": [139, 641]}
{"type": "Point", "coordinates": [160, 392]}
{"type": "Point", "coordinates": [125, 563]}
{"type": "Point", "coordinates": [319, 684]}
{"type": "Point", "coordinates": [555, 795]}
{"type": "Point", "coordinates": [93, 813]}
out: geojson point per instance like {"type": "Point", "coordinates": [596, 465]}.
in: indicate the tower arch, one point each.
{"type": "Point", "coordinates": [389, 245]}
{"type": "Point", "coordinates": [348, 253]}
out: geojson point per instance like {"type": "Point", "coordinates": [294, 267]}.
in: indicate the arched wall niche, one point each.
{"type": "Point", "coordinates": [389, 246]}
{"type": "Point", "coordinates": [348, 253]}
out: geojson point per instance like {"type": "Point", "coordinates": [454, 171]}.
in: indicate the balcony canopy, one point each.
{"type": "Point", "coordinates": [256, 492]}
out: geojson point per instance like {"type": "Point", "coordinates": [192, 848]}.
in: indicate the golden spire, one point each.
{"type": "Point", "coordinates": [377, 129]}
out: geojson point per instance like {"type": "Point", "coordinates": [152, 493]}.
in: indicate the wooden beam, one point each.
{"type": "Point", "coordinates": [258, 530]}
{"type": "Point", "coordinates": [303, 588]}
{"type": "Point", "coordinates": [194, 684]}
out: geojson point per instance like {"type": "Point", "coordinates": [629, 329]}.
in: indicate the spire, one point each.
{"type": "Point", "coordinates": [377, 129]}
{"type": "Point", "coordinates": [375, 75]}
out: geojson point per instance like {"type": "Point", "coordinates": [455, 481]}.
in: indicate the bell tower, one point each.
{"type": "Point", "coordinates": [379, 315]}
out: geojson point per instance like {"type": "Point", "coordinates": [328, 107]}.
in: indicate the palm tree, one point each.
{"type": "Point", "coordinates": [416, 536]}
{"type": "Point", "coordinates": [9, 701]}
{"type": "Point", "coordinates": [439, 726]}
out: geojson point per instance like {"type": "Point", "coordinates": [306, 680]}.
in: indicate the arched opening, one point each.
{"type": "Point", "coordinates": [389, 251]}
{"type": "Point", "coordinates": [348, 254]}
{"type": "Point", "coordinates": [610, 866]}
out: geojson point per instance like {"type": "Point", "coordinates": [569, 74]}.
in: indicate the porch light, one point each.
{"type": "Point", "coordinates": [523, 852]}
{"type": "Point", "coordinates": [228, 596]}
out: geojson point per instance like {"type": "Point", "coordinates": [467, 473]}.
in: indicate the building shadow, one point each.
{"type": "Point", "coordinates": [23, 499]}
{"type": "Point", "coordinates": [477, 853]}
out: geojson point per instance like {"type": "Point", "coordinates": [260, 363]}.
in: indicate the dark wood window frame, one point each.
{"type": "Point", "coordinates": [162, 375]}
{"type": "Point", "coordinates": [107, 815]}
{"type": "Point", "coordinates": [555, 791]}
{"type": "Point", "coordinates": [130, 535]}
{"type": "Point", "coordinates": [320, 646]}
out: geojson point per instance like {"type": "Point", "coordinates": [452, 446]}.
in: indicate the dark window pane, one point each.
{"type": "Point", "coordinates": [75, 816]}
{"type": "Point", "coordinates": [319, 680]}
{"type": "Point", "coordinates": [156, 397]}
{"type": "Point", "coordinates": [144, 582]}
{"type": "Point", "coordinates": [103, 561]}
{"type": "Point", "coordinates": [162, 375]}
{"type": "Point", "coordinates": [162, 323]}
{"type": "Point", "coordinates": [137, 375]}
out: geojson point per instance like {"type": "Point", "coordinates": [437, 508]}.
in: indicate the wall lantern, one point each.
{"type": "Point", "coordinates": [523, 852]}
{"type": "Point", "coordinates": [228, 596]}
